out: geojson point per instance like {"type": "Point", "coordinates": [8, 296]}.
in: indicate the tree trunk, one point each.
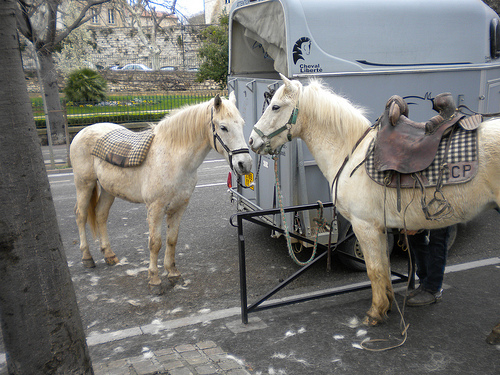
{"type": "Point", "coordinates": [51, 91]}
{"type": "Point", "coordinates": [39, 316]}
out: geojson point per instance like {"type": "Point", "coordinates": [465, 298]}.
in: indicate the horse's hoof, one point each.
{"type": "Point", "coordinates": [174, 280]}
{"type": "Point", "coordinates": [493, 338]}
{"type": "Point", "coordinates": [155, 289]}
{"type": "Point", "coordinates": [88, 263]}
{"type": "Point", "coordinates": [371, 321]}
{"type": "Point", "coordinates": [111, 261]}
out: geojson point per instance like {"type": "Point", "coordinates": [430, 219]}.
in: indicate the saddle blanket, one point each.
{"type": "Point", "coordinates": [462, 163]}
{"type": "Point", "coordinates": [123, 147]}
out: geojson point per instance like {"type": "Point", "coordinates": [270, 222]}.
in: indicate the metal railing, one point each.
{"type": "Point", "coordinates": [121, 109]}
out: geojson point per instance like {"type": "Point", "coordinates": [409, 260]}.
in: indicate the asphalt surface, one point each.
{"type": "Point", "coordinates": [124, 322]}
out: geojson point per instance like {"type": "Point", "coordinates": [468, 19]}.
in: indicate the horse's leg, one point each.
{"type": "Point", "coordinates": [373, 244]}
{"type": "Point", "coordinates": [173, 223]}
{"type": "Point", "coordinates": [102, 213]}
{"type": "Point", "coordinates": [84, 193]}
{"type": "Point", "coordinates": [494, 337]}
{"type": "Point", "coordinates": [155, 218]}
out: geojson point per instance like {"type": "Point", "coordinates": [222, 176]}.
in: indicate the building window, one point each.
{"type": "Point", "coordinates": [111, 16]}
{"type": "Point", "coordinates": [94, 16]}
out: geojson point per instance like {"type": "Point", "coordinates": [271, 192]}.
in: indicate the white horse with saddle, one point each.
{"type": "Point", "coordinates": [157, 167]}
{"type": "Point", "coordinates": [339, 137]}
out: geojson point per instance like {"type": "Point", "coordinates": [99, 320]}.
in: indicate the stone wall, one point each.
{"type": "Point", "coordinates": [106, 47]}
{"type": "Point", "coordinates": [121, 45]}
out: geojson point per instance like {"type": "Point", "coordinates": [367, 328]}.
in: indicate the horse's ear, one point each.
{"type": "Point", "coordinates": [285, 80]}
{"type": "Point", "coordinates": [232, 97]}
{"type": "Point", "coordinates": [217, 102]}
{"type": "Point", "coordinates": [291, 87]}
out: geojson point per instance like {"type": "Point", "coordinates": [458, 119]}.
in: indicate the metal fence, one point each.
{"type": "Point", "coordinates": [120, 109]}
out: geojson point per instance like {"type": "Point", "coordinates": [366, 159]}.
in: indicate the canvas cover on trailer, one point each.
{"type": "Point", "coordinates": [365, 50]}
{"type": "Point", "coordinates": [296, 37]}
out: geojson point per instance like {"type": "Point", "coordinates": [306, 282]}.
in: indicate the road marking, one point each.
{"type": "Point", "coordinates": [52, 175]}
{"type": "Point", "coordinates": [210, 185]}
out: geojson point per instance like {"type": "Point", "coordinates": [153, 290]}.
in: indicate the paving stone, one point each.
{"type": "Point", "coordinates": [168, 358]}
{"type": "Point", "coordinates": [180, 371]}
{"type": "Point", "coordinates": [213, 351]}
{"type": "Point", "coordinates": [238, 372]}
{"type": "Point", "coordinates": [198, 361]}
{"type": "Point", "coordinates": [172, 365]}
{"type": "Point", "coordinates": [229, 365]}
{"type": "Point", "coordinates": [163, 352]}
{"type": "Point", "coordinates": [145, 368]}
{"type": "Point", "coordinates": [206, 345]}
{"type": "Point", "coordinates": [206, 370]}
{"type": "Point", "coordinates": [191, 354]}
{"type": "Point", "coordinates": [185, 348]}
{"type": "Point", "coordinates": [125, 370]}
{"type": "Point", "coordinates": [120, 363]}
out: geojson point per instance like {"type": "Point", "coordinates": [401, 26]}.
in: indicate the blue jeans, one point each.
{"type": "Point", "coordinates": [430, 248]}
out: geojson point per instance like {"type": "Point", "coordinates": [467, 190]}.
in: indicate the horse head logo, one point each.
{"type": "Point", "coordinates": [303, 45]}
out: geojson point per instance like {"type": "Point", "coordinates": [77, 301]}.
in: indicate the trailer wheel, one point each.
{"type": "Point", "coordinates": [351, 247]}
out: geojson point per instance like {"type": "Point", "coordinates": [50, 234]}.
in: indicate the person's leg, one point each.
{"type": "Point", "coordinates": [430, 251]}
{"type": "Point", "coordinates": [418, 246]}
{"type": "Point", "coordinates": [436, 259]}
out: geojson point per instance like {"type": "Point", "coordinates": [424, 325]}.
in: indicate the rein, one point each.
{"type": "Point", "coordinates": [224, 146]}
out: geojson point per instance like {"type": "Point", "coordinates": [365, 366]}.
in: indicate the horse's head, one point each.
{"type": "Point", "coordinates": [228, 138]}
{"type": "Point", "coordinates": [276, 125]}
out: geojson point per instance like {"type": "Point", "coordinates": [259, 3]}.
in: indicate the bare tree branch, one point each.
{"type": "Point", "coordinates": [80, 20]}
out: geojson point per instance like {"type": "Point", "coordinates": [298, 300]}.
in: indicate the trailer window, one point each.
{"type": "Point", "coordinates": [494, 39]}
{"type": "Point", "coordinates": [258, 42]}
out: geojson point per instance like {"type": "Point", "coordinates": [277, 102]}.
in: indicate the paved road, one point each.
{"type": "Point", "coordinates": [115, 302]}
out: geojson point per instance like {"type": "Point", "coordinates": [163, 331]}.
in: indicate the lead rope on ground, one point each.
{"type": "Point", "coordinates": [321, 221]}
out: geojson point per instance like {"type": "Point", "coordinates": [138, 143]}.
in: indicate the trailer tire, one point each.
{"type": "Point", "coordinates": [351, 247]}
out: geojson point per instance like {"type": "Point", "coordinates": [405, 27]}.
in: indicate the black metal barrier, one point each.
{"type": "Point", "coordinates": [261, 304]}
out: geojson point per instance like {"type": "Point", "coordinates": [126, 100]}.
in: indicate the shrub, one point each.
{"type": "Point", "coordinates": [85, 85]}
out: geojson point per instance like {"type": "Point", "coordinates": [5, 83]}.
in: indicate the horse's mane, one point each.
{"type": "Point", "coordinates": [334, 113]}
{"type": "Point", "coordinates": [184, 126]}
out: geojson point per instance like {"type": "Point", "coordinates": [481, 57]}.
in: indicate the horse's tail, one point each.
{"type": "Point", "coordinates": [91, 218]}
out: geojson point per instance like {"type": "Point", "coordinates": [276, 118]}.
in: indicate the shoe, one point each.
{"type": "Point", "coordinates": [424, 298]}
{"type": "Point", "coordinates": [414, 292]}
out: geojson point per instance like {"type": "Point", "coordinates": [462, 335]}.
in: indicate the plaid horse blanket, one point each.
{"type": "Point", "coordinates": [462, 162]}
{"type": "Point", "coordinates": [123, 147]}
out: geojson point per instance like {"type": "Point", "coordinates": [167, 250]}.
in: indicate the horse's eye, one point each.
{"type": "Point", "coordinates": [223, 128]}
{"type": "Point", "coordinates": [276, 107]}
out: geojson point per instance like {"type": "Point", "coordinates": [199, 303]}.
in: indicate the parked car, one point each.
{"type": "Point", "coordinates": [168, 68]}
{"type": "Point", "coordinates": [193, 69]}
{"type": "Point", "coordinates": [116, 67]}
{"type": "Point", "coordinates": [136, 67]}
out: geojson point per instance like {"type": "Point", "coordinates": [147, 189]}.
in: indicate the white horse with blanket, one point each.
{"type": "Point", "coordinates": [331, 126]}
{"type": "Point", "coordinates": [164, 180]}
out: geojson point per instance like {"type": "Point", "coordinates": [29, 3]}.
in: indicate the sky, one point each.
{"type": "Point", "coordinates": [190, 7]}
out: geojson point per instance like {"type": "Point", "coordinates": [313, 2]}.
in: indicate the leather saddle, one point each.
{"type": "Point", "coordinates": [407, 146]}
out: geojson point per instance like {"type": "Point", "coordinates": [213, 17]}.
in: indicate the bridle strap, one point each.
{"type": "Point", "coordinates": [224, 146]}
{"type": "Point", "coordinates": [288, 126]}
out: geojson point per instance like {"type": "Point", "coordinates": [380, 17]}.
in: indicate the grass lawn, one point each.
{"type": "Point", "coordinates": [130, 107]}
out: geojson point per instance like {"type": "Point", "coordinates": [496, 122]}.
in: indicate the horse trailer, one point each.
{"type": "Point", "coordinates": [365, 50]}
